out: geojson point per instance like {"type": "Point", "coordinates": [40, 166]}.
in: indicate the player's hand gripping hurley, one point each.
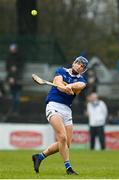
{"type": "Point", "coordinates": [40, 81]}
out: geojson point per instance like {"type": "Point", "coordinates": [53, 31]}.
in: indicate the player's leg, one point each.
{"type": "Point", "coordinates": [61, 145]}
{"type": "Point", "coordinates": [54, 148]}
{"type": "Point", "coordinates": [64, 135]}
{"type": "Point", "coordinates": [58, 125]}
{"type": "Point", "coordinates": [38, 158]}
{"type": "Point", "coordinates": [69, 132]}
{"type": "Point", "coordinates": [55, 115]}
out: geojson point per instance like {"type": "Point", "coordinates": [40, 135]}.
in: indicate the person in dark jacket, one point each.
{"type": "Point", "coordinates": [14, 68]}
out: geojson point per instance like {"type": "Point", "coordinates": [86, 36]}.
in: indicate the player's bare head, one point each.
{"type": "Point", "coordinates": [83, 62]}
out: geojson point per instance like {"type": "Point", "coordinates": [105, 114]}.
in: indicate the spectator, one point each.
{"type": "Point", "coordinates": [14, 68]}
{"type": "Point", "coordinates": [114, 118]}
{"type": "Point", "coordinates": [2, 95]}
{"type": "Point", "coordinates": [92, 81]}
{"type": "Point", "coordinates": [117, 65]}
{"type": "Point", "coordinates": [2, 89]}
{"type": "Point", "coordinates": [82, 101]}
{"type": "Point", "coordinates": [14, 59]}
{"type": "Point", "coordinates": [97, 114]}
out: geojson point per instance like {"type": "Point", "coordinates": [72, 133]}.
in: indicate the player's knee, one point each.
{"type": "Point", "coordinates": [63, 138]}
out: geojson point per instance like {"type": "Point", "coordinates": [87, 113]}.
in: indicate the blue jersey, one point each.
{"type": "Point", "coordinates": [61, 97]}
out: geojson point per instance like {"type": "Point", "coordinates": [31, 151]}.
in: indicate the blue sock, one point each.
{"type": "Point", "coordinates": [41, 156]}
{"type": "Point", "coordinates": [67, 164]}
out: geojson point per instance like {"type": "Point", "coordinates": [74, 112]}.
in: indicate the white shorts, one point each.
{"type": "Point", "coordinates": [60, 109]}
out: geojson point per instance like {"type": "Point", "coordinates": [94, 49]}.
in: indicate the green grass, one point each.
{"type": "Point", "coordinates": [90, 164]}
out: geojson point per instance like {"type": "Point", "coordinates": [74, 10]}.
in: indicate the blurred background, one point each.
{"type": "Point", "coordinates": [61, 31]}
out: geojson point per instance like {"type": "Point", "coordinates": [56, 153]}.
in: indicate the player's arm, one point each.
{"type": "Point", "coordinates": [77, 86]}
{"type": "Point", "coordinates": [63, 88]}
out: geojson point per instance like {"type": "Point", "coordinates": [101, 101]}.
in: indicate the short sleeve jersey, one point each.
{"type": "Point", "coordinates": [56, 95]}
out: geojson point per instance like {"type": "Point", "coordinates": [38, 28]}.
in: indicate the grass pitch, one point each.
{"type": "Point", "coordinates": [90, 165]}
